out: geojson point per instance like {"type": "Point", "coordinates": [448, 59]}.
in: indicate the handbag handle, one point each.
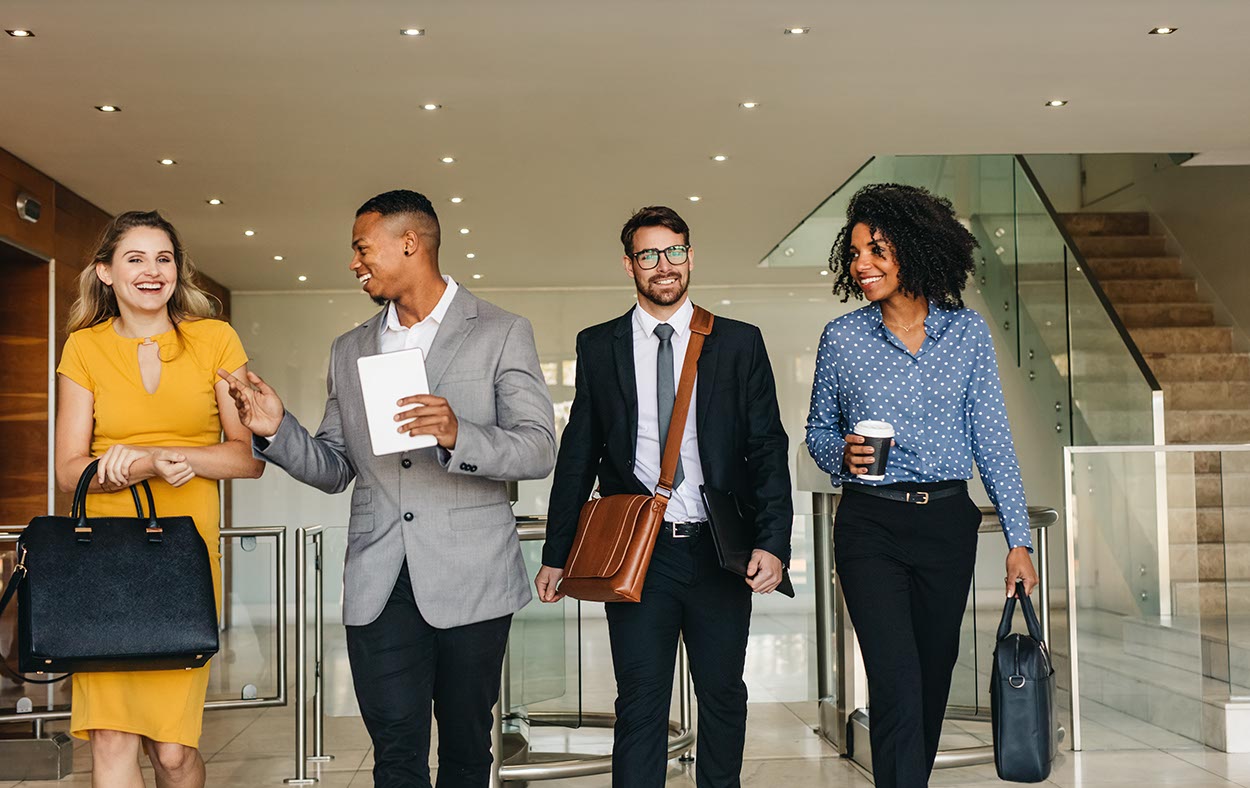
{"type": "Point", "coordinates": [1030, 616]}
{"type": "Point", "coordinates": [78, 511]}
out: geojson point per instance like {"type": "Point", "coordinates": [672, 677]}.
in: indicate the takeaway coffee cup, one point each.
{"type": "Point", "coordinates": [878, 435]}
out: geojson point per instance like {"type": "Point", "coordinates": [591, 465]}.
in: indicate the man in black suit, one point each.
{"type": "Point", "coordinates": [733, 440]}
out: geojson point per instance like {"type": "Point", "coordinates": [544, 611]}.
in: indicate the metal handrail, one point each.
{"type": "Point", "coordinates": [819, 205]}
{"type": "Point", "coordinates": [1083, 266]}
{"type": "Point", "coordinates": [302, 536]}
{"type": "Point", "coordinates": [11, 533]}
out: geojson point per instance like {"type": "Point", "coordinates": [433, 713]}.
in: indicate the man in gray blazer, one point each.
{"type": "Point", "coordinates": [434, 569]}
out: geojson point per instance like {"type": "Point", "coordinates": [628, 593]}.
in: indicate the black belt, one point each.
{"type": "Point", "coordinates": [918, 496]}
{"type": "Point", "coordinates": [684, 530]}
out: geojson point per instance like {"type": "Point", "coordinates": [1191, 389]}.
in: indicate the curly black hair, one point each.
{"type": "Point", "coordinates": [932, 247]}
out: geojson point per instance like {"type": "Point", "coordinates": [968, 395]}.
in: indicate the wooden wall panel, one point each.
{"type": "Point", "coordinates": [15, 177]}
{"type": "Point", "coordinates": [23, 387]}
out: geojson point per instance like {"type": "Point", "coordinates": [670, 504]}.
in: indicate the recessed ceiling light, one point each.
{"type": "Point", "coordinates": [249, 233]}
{"type": "Point", "coordinates": [470, 255]}
{"type": "Point", "coordinates": [168, 162]}
{"type": "Point", "coordinates": [1163, 31]}
{"type": "Point", "coordinates": [725, 302]}
{"type": "Point", "coordinates": [464, 230]}
{"type": "Point", "coordinates": [303, 278]}
{"type": "Point", "coordinates": [431, 107]}
{"type": "Point", "coordinates": [1057, 103]}
{"type": "Point", "coordinates": [448, 160]}
{"type": "Point", "coordinates": [797, 31]}
{"type": "Point", "coordinates": [749, 104]}
{"type": "Point", "coordinates": [412, 32]}
{"type": "Point", "coordinates": [822, 273]}
{"type": "Point", "coordinates": [278, 257]}
{"type": "Point", "coordinates": [720, 157]}
{"type": "Point", "coordinates": [213, 201]}
{"type": "Point", "coordinates": [694, 198]}
{"type": "Point", "coordinates": [108, 108]}
{"type": "Point", "coordinates": [457, 200]}
{"type": "Point", "coordinates": [21, 33]}
{"type": "Point", "coordinates": [477, 276]}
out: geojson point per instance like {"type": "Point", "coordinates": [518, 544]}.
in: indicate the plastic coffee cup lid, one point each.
{"type": "Point", "coordinates": [875, 429]}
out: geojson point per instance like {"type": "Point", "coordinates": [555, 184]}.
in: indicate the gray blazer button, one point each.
{"type": "Point", "coordinates": [407, 463]}
{"type": "Point", "coordinates": [464, 466]}
{"type": "Point", "coordinates": [408, 517]}
{"type": "Point", "coordinates": [472, 469]}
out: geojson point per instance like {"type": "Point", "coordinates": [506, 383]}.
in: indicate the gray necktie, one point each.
{"type": "Point", "coordinates": [666, 392]}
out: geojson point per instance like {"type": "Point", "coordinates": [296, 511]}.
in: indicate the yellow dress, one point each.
{"type": "Point", "coordinates": [163, 705]}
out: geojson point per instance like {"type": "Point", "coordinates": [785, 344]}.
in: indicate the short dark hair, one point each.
{"type": "Point", "coordinates": [932, 247]}
{"type": "Point", "coordinates": [653, 216]}
{"type": "Point", "coordinates": [398, 201]}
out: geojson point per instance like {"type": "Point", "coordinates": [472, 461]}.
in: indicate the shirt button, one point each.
{"type": "Point", "coordinates": [407, 517]}
{"type": "Point", "coordinates": [407, 463]}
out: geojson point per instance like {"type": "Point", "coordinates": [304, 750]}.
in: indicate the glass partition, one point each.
{"type": "Point", "coordinates": [1159, 643]}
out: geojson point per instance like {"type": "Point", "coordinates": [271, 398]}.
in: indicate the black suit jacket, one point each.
{"type": "Point", "coordinates": [742, 446]}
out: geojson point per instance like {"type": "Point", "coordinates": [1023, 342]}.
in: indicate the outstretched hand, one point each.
{"type": "Point", "coordinates": [260, 408]}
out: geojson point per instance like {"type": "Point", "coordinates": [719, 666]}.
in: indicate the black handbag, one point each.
{"type": "Point", "coordinates": [1022, 698]}
{"type": "Point", "coordinates": [112, 593]}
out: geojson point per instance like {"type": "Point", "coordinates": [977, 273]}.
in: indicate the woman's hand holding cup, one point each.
{"type": "Point", "coordinates": [868, 449]}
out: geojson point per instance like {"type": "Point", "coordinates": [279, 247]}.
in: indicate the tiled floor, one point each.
{"type": "Point", "coordinates": [254, 748]}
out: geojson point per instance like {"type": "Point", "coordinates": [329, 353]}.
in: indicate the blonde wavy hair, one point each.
{"type": "Point", "coordinates": [96, 301]}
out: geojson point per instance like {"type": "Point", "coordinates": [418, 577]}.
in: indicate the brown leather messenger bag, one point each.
{"type": "Point", "coordinates": [616, 534]}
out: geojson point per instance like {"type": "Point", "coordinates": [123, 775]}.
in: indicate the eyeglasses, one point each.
{"type": "Point", "coordinates": [647, 259]}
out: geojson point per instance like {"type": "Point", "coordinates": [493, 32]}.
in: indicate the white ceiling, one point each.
{"type": "Point", "coordinates": [564, 115]}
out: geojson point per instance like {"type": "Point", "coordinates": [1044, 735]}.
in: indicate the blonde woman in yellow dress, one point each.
{"type": "Point", "coordinates": [138, 389]}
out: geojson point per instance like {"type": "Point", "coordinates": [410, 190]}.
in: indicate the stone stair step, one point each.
{"type": "Point", "coordinates": [1206, 394]}
{"type": "Point", "coordinates": [1040, 272]}
{"type": "Point", "coordinates": [1121, 245]}
{"type": "Point", "coordinates": [1136, 267]}
{"type": "Point", "coordinates": [1165, 314]}
{"type": "Point", "coordinates": [1211, 597]}
{"type": "Point", "coordinates": [1199, 366]}
{"type": "Point", "coordinates": [1206, 426]}
{"type": "Point", "coordinates": [1210, 561]}
{"type": "Point", "coordinates": [1208, 524]}
{"type": "Point", "coordinates": [1134, 223]}
{"type": "Point", "coordinates": [1184, 339]}
{"type": "Point", "coordinates": [1150, 291]}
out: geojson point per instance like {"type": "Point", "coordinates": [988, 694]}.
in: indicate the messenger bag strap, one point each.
{"type": "Point", "coordinates": [700, 327]}
{"type": "Point", "coordinates": [10, 589]}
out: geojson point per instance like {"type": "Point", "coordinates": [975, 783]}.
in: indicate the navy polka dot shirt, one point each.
{"type": "Point", "coordinates": [945, 402]}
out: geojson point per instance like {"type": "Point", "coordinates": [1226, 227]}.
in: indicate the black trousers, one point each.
{"type": "Point", "coordinates": [905, 571]}
{"type": "Point", "coordinates": [686, 592]}
{"type": "Point", "coordinates": [400, 666]}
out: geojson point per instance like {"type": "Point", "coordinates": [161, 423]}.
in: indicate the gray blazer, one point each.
{"type": "Point", "coordinates": [446, 513]}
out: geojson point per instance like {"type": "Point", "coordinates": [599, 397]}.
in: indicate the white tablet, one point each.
{"type": "Point", "coordinates": [385, 379]}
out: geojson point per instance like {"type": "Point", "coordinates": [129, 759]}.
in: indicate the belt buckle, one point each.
{"type": "Point", "coordinates": [676, 531]}
{"type": "Point", "coordinates": [921, 497]}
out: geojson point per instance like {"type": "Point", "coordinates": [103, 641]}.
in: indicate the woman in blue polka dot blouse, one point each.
{"type": "Point", "coordinates": [905, 546]}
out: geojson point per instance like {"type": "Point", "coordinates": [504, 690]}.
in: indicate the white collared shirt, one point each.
{"type": "Point", "coordinates": [685, 505]}
{"type": "Point", "coordinates": [395, 336]}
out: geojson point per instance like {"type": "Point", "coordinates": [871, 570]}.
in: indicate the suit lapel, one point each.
{"type": "Point", "coordinates": [707, 373]}
{"type": "Point", "coordinates": [369, 336]}
{"type": "Point", "coordinates": [623, 352]}
{"type": "Point", "coordinates": [457, 324]}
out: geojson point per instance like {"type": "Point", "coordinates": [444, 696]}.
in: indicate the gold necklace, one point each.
{"type": "Point", "coordinates": [905, 329]}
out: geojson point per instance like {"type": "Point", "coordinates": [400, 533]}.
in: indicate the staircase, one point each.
{"type": "Point", "coordinates": [1206, 385]}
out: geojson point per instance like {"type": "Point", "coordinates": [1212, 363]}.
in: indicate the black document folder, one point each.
{"type": "Point", "coordinates": [733, 533]}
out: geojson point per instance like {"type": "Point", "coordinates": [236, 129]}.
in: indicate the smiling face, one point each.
{"type": "Point", "coordinates": [873, 265]}
{"type": "Point", "coordinates": [381, 248]}
{"type": "Point", "coordinates": [143, 272]}
{"type": "Point", "coordinates": [666, 284]}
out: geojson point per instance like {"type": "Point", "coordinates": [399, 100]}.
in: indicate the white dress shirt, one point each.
{"type": "Point", "coordinates": [421, 335]}
{"type": "Point", "coordinates": [686, 504]}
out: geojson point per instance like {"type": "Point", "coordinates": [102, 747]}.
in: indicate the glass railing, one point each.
{"type": "Point", "coordinates": [1159, 656]}
{"type": "Point", "coordinates": [1031, 285]}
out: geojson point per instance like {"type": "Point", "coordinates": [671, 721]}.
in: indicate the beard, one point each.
{"type": "Point", "coordinates": [379, 300]}
{"type": "Point", "coordinates": [660, 299]}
